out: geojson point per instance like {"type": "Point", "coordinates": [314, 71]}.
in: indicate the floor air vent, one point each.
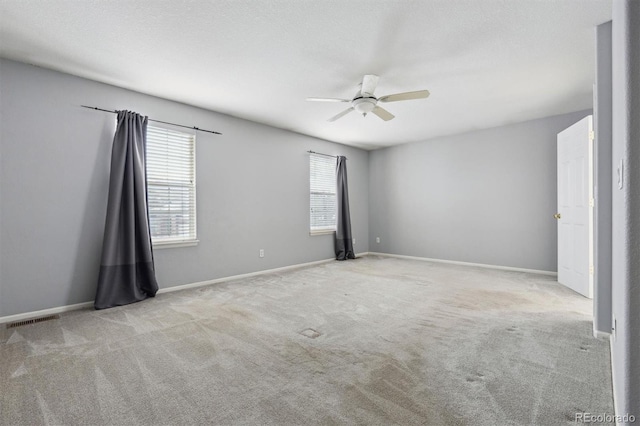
{"type": "Point", "coordinates": [32, 321]}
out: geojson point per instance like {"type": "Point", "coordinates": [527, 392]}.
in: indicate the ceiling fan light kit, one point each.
{"type": "Point", "coordinates": [364, 105]}
{"type": "Point", "coordinates": [365, 102]}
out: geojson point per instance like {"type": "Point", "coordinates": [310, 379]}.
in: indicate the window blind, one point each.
{"type": "Point", "coordinates": [323, 192]}
{"type": "Point", "coordinates": [171, 185]}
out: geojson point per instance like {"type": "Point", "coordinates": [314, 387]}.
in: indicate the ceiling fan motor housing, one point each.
{"type": "Point", "coordinates": [364, 105]}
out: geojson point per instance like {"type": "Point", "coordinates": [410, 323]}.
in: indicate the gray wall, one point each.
{"type": "Point", "coordinates": [252, 190]}
{"type": "Point", "coordinates": [625, 291]}
{"type": "Point", "coordinates": [602, 181]}
{"type": "Point", "coordinates": [483, 197]}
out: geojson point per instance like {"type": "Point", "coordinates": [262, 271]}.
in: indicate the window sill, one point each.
{"type": "Point", "coordinates": [175, 244]}
{"type": "Point", "coordinates": [322, 232]}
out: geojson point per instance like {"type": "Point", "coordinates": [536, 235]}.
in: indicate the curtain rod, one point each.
{"type": "Point", "coordinates": [157, 121]}
{"type": "Point", "coordinates": [326, 155]}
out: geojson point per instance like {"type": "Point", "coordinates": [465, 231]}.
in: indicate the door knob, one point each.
{"type": "Point", "coordinates": [557, 216]}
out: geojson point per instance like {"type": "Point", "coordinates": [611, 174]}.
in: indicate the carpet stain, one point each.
{"type": "Point", "coordinates": [397, 391]}
{"type": "Point", "coordinates": [486, 300]}
{"type": "Point", "coordinates": [234, 312]}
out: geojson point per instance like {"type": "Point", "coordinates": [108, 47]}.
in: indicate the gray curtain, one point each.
{"type": "Point", "coordinates": [344, 239]}
{"type": "Point", "coordinates": [127, 273]}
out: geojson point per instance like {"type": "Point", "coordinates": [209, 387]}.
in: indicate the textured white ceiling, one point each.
{"type": "Point", "coordinates": [486, 62]}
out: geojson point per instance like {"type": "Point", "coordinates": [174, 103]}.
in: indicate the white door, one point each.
{"type": "Point", "coordinates": [575, 200]}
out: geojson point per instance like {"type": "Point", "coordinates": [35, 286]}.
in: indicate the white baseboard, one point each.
{"type": "Point", "coordinates": [67, 308]}
{"type": "Point", "coordinates": [613, 383]}
{"type": "Point", "coordinates": [248, 275]}
{"type": "Point", "coordinates": [478, 265]}
{"type": "Point", "coordinates": [600, 334]}
{"type": "Point", "coordinates": [241, 276]}
{"type": "Point", "coordinates": [45, 312]}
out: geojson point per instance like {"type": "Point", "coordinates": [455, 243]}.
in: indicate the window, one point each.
{"type": "Point", "coordinates": [322, 179]}
{"type": "Point", "coordinates": [171, 183]}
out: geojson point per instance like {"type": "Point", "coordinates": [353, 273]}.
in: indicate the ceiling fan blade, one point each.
{"type": "Point", "coordinates": [406, 96]}
{"type": "Point", "coordinates": [328, 100]}
{"type": "Point", "coordinates": [369, 83]}
{"type": "Point", "coordinates": [383, 113]}
{"type": "Point", "coordinates": [343, 113]}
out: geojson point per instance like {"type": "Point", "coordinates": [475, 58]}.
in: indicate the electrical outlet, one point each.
{"type": "Point", "coordinates": [377, 239]}
{"type": "Point", "coordinates": [354, 241]}
{"type": "Point", "coordinates": [261, 252]}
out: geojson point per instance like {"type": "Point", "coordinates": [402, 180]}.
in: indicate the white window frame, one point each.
{"type": "Point", "coordinates": [321, 159]}
{"type": "Point", "coordinates": [169, 241]}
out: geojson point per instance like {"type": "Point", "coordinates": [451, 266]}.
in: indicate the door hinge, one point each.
{"type": "Point", "coordinates": [592, 202]}
{"type": "Point", "coordinates": [591, 270]}
{"type": "Point", "coordinates": [592, 135]}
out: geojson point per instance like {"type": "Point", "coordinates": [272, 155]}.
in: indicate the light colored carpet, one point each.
{"type": "Point", "coordinates": [369, 341]}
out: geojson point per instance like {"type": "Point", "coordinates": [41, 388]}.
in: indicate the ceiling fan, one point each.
{"type": "Point", "coordinates": [365, 102]}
